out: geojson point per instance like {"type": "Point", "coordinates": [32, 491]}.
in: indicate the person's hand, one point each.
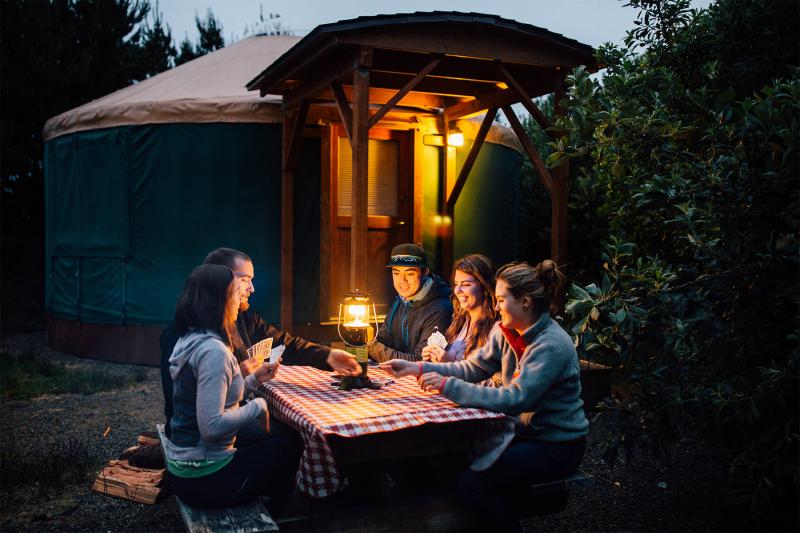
{"type": "Point", "coordinates": [400, 367]}
{"type": "Point", "coordinates": [431, 381]}
{"type": "Point", "coordinates": [266, 371]}
{"type": "Point", "coordinates": [248, 366]}
{"type": "Point", "coordinates": [344, 363]}
{"type": "Point", "coordinates": [433, 353]}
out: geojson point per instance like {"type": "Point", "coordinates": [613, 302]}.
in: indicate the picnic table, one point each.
{"type": "Point", "coordinates": [344, 427]}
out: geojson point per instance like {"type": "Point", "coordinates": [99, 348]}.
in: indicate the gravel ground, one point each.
{"type": "Point", "coordinates": [640, 496]}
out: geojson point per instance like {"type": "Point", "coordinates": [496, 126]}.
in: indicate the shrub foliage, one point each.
{"type": "Point", "coordinates": [684, 161]}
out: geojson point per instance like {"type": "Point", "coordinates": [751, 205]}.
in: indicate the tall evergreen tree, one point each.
{"type": "Point", "coordinates": [210, 31]}
{"type": "Point", "coordinates": [54, 56]}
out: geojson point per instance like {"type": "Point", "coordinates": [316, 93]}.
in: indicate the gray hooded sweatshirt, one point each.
{"type": "Point", "coordinates": [208, 387]}
{"type": "Point", "coordinates": [542, 391]}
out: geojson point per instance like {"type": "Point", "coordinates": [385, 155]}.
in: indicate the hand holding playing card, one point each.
{"type": "Point", "coordinates": [437, 339]}
{"type": "Point", "coordinates": [266, 372]}
{"type": "Point", "coordinates": [260, 350]}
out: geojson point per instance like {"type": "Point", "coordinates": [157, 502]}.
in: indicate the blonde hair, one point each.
{"type": "Point", "coordinates": [543, 283]}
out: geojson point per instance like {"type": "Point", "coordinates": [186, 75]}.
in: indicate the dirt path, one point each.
{"type": "Point", "coordinates": [641, 496]}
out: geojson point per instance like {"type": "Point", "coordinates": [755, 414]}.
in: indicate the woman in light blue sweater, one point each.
{"type": "Point", "coordinates": [540, 389]}
{"type": "Point", "coordinates": [205, 465]}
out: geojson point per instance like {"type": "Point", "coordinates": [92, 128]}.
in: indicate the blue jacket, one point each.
{"type": "Point", "coordinates": [410, 322]}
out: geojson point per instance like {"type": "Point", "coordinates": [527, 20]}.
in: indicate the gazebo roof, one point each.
{"type": "Point", "coordinates": [469, 45]}
{"type": "Point", "coordinates": [408, 68]}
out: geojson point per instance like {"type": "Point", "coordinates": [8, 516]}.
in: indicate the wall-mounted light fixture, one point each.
{"type": "Point", "coordinates": [433, 140]}
{"type": "Point", "coordinates": [455, 137]}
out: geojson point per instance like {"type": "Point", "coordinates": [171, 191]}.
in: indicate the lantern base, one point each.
{"type": "Point", "coordinates": [358, 382]}
{"type": "Point", "coordinates": [361, 381]}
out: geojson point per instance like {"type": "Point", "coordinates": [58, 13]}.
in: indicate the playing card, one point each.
{"type": "Point", "coordinates": [276, 353]}
{"type": "Point", "coordinates": [260, 350]}
{"type": "Point", "coordinates": [437, 339]}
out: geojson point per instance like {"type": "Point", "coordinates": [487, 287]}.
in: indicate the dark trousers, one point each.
{"type": "Point", "coordinates": [266, 467]}
{"type": "Point", "coordinates": [499, 493]}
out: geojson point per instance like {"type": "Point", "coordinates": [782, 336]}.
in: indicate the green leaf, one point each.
{"type": "Point", "coordinates": [594, 291]}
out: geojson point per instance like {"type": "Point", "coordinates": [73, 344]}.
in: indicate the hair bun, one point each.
{"type": "Point", "coordinates": [547, 268]}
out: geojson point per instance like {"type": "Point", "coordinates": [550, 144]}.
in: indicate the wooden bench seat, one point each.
{"type": "Point", "coordinates": [428, 512]}
{"type": "Point", "coordinates": [250, 517]}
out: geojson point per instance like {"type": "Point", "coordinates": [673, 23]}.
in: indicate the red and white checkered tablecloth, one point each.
{"type": "Point", "coordinates": [305, 398]}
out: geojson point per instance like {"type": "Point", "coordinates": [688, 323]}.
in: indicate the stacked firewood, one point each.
{"type": "Point", "coordinates": [137, 474]}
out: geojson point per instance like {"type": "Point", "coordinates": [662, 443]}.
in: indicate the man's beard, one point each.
{"type": "Point", "coordinates": [244, 305]}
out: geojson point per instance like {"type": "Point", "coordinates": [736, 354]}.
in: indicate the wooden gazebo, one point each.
{"type": "Point", "coordinates": [385, 68]}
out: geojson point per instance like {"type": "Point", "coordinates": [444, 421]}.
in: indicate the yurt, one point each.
{"type": "Point", "coordinates": [250, 147]}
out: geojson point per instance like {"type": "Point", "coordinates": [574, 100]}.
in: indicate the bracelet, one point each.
{"type": "Point", "coordinates": [441, 387]}
{"type": "Point", "coordinates": [420, 368]}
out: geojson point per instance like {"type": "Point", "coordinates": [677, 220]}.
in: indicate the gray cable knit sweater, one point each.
{"type": "Point", "coordinates": [208, 387]}
{"type": "Point", "coordinates": [545, 395]}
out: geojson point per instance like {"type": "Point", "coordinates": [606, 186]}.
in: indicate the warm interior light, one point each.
{"type": "Point", "coordinates": [455, 138]}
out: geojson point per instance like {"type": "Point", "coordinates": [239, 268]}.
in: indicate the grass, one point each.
{"type": "Point", "coordinates": [49, 466]}
{"type": "Point", "coordinates": [27, 375]}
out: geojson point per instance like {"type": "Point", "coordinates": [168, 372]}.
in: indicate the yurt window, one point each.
{"type": "Point", "coordinates": [384, 168]}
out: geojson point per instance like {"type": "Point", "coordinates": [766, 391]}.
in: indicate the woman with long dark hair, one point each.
{"type": "Point", "coordinates": [203, 466]}
{"type": "Point", "coordinates": [474, 313]}
{"type": "Point", "coordinates": [540, 389]}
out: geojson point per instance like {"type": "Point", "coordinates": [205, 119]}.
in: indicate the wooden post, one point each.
{"type": "Point", "coordinates": [560, 196]}
{"type": "Point", "coordinates": [294, 120]}
{"type": "Point", "coordinates": [360, 190]}
{"type": "Point", "coordinates": [444, 242]}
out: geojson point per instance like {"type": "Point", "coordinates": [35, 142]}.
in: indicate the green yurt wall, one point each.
{"type": "Point", "coordinates": [488, 207]}
{"type": "Point", "coordinates": [131, 210]}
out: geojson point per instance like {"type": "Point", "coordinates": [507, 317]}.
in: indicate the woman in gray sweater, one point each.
{"type": "Point", "coordinates": [205, 466]}
{"type": "Point", "coordinates": [540, 389]}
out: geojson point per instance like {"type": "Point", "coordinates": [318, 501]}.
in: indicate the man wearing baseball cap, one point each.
{"type": "Point", "coordinates": [421, 307]}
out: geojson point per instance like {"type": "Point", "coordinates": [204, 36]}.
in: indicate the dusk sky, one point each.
{"type": "Point", "coordinates": [589, 21]}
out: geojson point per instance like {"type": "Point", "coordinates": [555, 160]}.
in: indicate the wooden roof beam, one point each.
{"type": "Point", "coordinates": [469, 43]}
{"type": "Point", "coordinates": [431, 84]}
{"type": "Point", "coordinates": [530, 149]}
{"type": "Point", "coordinates": [472, 156]}
{"type": "Point", "coordinates": [322, 78]}
{"type": "Point", "coordinates": [462, 68]}
{"type": "Point", "coordinates": [296, 118]}
{"type": "Point", "coordinates": [381, 96]}
{"type": "Point", "coordinates": [413, 82]}
{"type": "Point", "coordinates": [345, 112]}
{"type": "Point", "coordinates": [266, 84]}
{"type": "Point", "coordinates": [469, 108]}
{"type": "Point", "coordinates": [328, 112]}
{"type": "Point", "coordinates": [526, 101]}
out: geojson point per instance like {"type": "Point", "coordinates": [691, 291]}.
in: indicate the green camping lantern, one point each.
{"type": "Point", "coordinates": [355, 327]}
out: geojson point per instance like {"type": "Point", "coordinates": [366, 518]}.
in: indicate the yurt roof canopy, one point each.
{"type": "Point", "coordinates": [210, 88]}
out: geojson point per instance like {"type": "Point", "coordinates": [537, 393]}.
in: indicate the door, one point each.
{"type": "Point", "coordinates": [389, 212]}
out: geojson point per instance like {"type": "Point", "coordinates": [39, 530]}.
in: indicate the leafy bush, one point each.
{"type": "Point", "coordinates": [690, 180]}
